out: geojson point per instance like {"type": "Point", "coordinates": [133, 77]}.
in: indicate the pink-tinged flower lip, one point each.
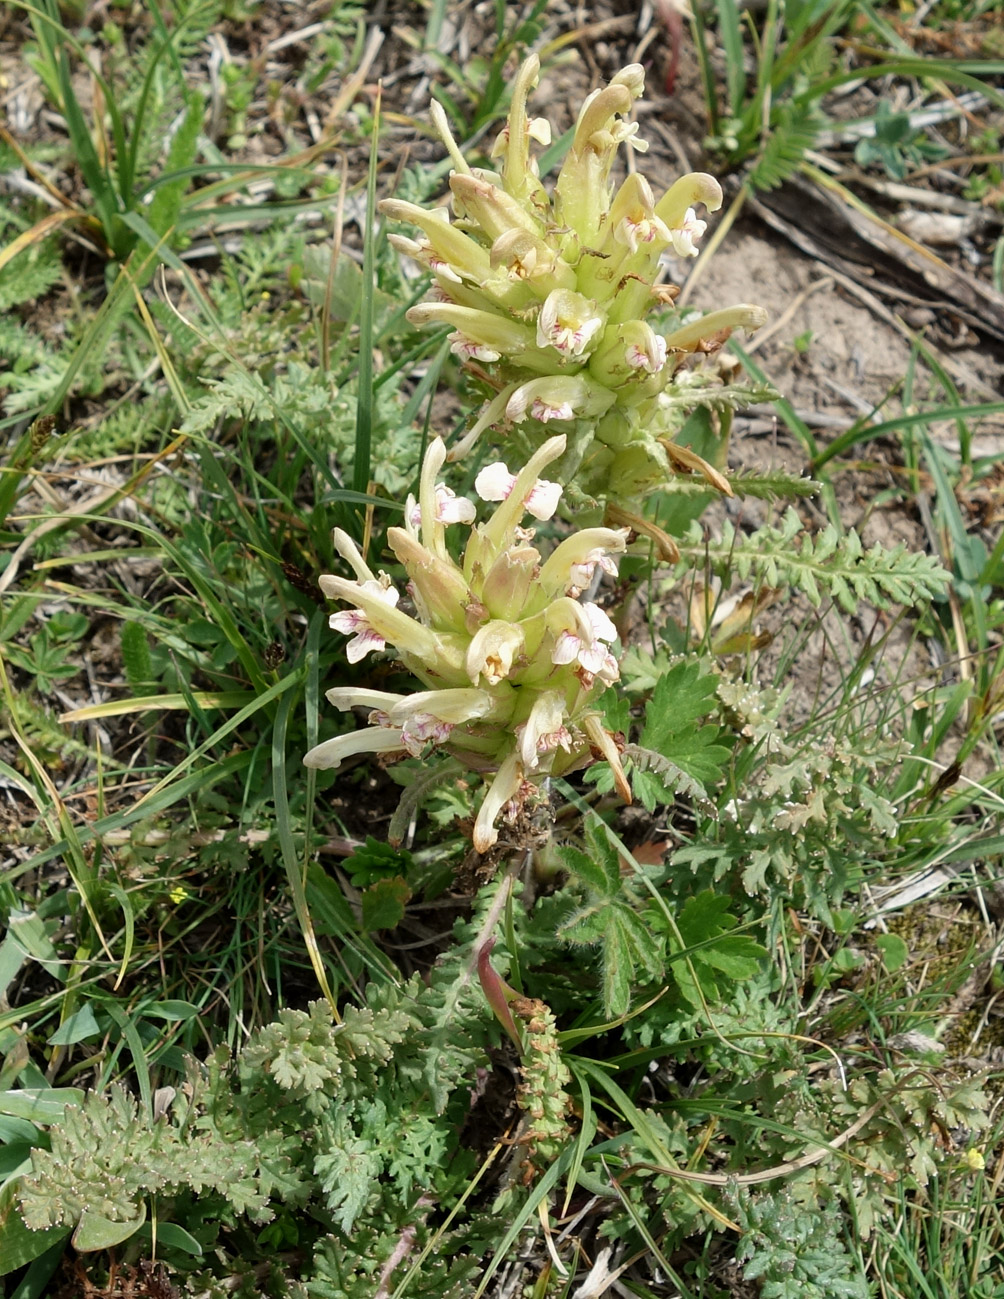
{"type": "Point", "coordinates": [568, 322]}
{"type": "Point", "coordinates": [558, 396]}
{"type": "Point", "coordinates": [571, 565]}
{"type": "Point", "coordinates": [639, 229]}
{"type": "Point", "coordinates": [422, 727]}
{"type": "Point", "coordinates": [437, 265]}
{"type": "Point", "coordinates": [581, 574]}
{"type": "Point", "coordinates": [586, 647]}
{"type": "Point", "coordinates": [532, 746]}
{"type": "Point", "coordinates": [450, 508]}
{"type": "Point", "coordinates": [544, 730]}
{"type": "Point", "coordinates": [546, 411]}
{"type": "Point", "coordinates": [649, 355]}
{"type": "Point", "coordinates": [632, 217]}
{"type": "Point", "coordinates": [468, 349]}
{"type": "Point", "coordinates": [686, 235]}
{"type": "Point", "coordinates": [495, 483]}
{"type": "Point", "coordinates": [355, 623]}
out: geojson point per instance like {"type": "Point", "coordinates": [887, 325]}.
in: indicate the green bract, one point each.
{"type": "Point", "coordinates": [512, 660]}
{"type": "Point", "coordinates": [547, 294]}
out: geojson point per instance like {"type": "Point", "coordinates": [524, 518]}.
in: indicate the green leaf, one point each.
{"type": "Point", "coordinates": [348, 1176]}
{"type": "Point", "coordinates": [704, 925]}
{"type": "Point", "coordinates": [172, 1011]}
{"type": "Point", "coordinates": [736, 955]}
{"type": "Point", "coordinates": [793, 131]}
{"type": "Point", "coordinates": [18, 1244]}
{"type": "Point", "coordinates": [15, 1156]}
{"type": "Point", "coordinates": [76, 1028]}
{"type": "Point", "coordinates": [681, 695]}
{"type": "Point", "coordinates": [705, 916]}
{"type": "Point", "coordinates": [384, 902]}
{"type": "Point", "coordinates": [374, 861]}
{"type": "Point", "coordinates": [175, 1237]}
{"type": "Point", "coordinates": [628, 946]}
{"type": "Point", "coordinates": [893, 950]}
{"type": "Point", "coordinates": [40, 1104]}
{"type": "Point", "coordinates": [136, 658]}
{"type": "Point", "coordinates": [95, 1232]}
{"type": "Point", "coordinates": [599, 867]}
{"type": "Point", "coordinates": [166, 203]}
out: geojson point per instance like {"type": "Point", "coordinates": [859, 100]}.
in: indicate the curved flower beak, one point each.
{"type": "Point", "coordinates": [519, 175]}
{"type": "Point", "coordinates": [504, 787]}
{"type": "Point", "coordinates": [695, 187]}
{"type": "Point", "coordinates": [581, 186]}
{"type": "Point", "coordinates": [602, 740]}
{"type": "Point", "coordinates": [448, 244]}
{"type": "Point", "coordinates": [481, 328]}
{"type": "Point", "coordinates": [379, 617]}
{"type": "Point", "coordinates": [371, 739]}
{"type": "Point", "coordinates": [545, 729]}
{"type": "Point", "coordinates": [493, 535]}
{"type": "Point", "coordinates": [743, 316]}
{"type": "Point", "coordinates": [573, 562]}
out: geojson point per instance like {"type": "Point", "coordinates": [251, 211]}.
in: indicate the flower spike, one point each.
{"type": "Point", "coordinates": [508, 661]}
{"type": "Point", "coordinates": [559, 289]}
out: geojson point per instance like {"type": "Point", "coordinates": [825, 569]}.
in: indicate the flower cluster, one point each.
{"type": "Point", "coordinates": [547, 294]}
{"type": "Point", "coordinates": [511, 658]}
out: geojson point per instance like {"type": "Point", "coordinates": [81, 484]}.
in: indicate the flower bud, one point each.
{"type": "Point", "coordinates": [438, 584]}
{"type": "Point", "coordinates": [463, 254]}
{"type": "Point", "coordinates": [495, 211]}
{"type": "Point", "coordinates": [480, 327]}
{"type": "Point", "coordinates": [507, 587]}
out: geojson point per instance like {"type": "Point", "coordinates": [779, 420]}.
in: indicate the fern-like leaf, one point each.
{"type": "Point", "coordinates": [793, 131]}
{"type": "Point", "coordinates": [715, 396]}
{"type": "Point", "coordinates": [764, 487]}
{"type": "Point", "coordinates": [825, 564]}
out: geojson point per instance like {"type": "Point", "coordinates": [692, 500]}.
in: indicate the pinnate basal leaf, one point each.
{"type": "Point", "coordinates": [710, 948]}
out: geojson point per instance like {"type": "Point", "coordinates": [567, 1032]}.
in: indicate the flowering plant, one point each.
{"type": "Point", "coordinates": [547, 294]}
{"type": "Point", "coordinates": [512, 659]}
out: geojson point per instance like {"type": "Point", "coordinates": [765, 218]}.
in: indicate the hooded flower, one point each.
{"type": "Point", "coordinates": [355, 623]}
{"type": "Point", "coordinates": [587, 645]}
{"type": "Point", "coordinates": [568, 322]}
{"type": "Point", "coordinates": [508, 663]}
{"type": "Point", "coordinates": [685, 236]}
{"type": "Point", "coordinates": [495, 483]}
